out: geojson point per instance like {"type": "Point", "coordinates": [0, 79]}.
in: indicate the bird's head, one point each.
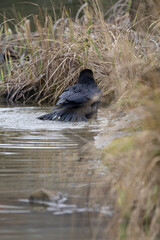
{"type": "Point", "coordinates": [85, 75]}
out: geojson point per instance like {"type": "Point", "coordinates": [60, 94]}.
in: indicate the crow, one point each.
{"type": "Point", "coordinates": [78, 102]}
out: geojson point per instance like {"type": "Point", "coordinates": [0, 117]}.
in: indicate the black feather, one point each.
{"type": "Point", "coordinates": [79, 102]}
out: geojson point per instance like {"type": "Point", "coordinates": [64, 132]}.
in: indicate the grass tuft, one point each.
{"type": "Point", "coordinates": [39, 66]}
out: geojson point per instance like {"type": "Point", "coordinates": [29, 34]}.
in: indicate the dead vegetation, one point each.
{"type": "Point", "coordinates": [134, 165]}
{"type": "Point", "coordinates": [38, 66]}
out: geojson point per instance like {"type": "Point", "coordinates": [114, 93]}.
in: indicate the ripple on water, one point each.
{"type": "Point", "coordinates": [43, 154]}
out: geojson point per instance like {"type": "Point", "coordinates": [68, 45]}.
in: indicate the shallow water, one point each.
{"type": "Point", "coordinates": [28, 8]}
{"type": "Point", "coordinates": [38, 154]}
{"type": "Point", "coordinates": [31, 7]}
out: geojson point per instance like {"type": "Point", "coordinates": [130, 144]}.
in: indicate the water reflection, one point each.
{"type": "Point", "coordinates": [54, 156]}
{"type": "Point", "coordinates": [15, 9]}
{"type": "Point", "coordinates": [30, 7]}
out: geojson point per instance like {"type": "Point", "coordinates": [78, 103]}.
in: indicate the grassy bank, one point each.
{"type": "Point", "coordinates": [38, 66]}
{"type": "Point", "coordinates": [134, 167]}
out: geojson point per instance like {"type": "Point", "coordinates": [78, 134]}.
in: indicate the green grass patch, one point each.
{"type": "Point", "coordinates": [120, 145]}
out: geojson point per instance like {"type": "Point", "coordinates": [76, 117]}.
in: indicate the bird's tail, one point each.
{"type": "Point", "coordinates": [49, 116]}
{"type": "Point", "coordinates": [66, 115]}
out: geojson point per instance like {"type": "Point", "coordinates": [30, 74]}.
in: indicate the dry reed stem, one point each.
{"type": "Point", "coordinates": [51, 58]}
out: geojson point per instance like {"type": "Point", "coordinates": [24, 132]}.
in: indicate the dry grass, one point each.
{"type": "Point", "coordinates": [41, 65]}
{"type": "Point", "coordinates": [134, 164]}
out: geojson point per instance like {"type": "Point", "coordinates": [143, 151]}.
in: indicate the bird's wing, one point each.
{"type": "Point", "coordinates": [77, 98]}
{"type": "Point", "coordinates": [79, 94]}
{"type": "Point", "coordinates": [75, 94]}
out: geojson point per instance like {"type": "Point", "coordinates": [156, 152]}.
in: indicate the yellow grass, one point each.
{"type": "Point", "coordinates": [42, 64]}
{"type": "Point", "coordinates": [134, 164]}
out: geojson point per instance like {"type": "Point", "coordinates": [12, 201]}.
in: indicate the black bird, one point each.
{"type": "Point", "coordinates": [79, 102]}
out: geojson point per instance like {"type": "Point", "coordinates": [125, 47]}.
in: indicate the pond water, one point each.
{"type": "Point", "coordinates": [30, 6]}
{"type": "Point", "coordinates": [59, 157]}
{"type": "Point", "coordinates": [27, 8]}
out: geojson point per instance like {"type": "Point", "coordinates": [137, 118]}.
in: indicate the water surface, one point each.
{"type": "Point", "coordinates": [58, 157]}
{"type": "Point", "coordinates": [21, 8]}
